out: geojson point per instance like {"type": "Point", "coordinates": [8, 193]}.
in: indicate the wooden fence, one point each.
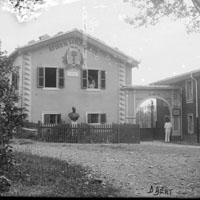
{"type": "Point", "coordinates": [81, 133]}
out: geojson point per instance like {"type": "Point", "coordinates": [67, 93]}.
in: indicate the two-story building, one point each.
{"type": "Point", "coordinates": [72, 69]}
{"type": "Point", "coordinates": [190, 84]}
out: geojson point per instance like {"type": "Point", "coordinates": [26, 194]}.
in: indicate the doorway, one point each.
{"type": "Point", "coordinates": [151, 115]}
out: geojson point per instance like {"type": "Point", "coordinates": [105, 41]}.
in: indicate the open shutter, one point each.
{"type": "Point", "coordinates": [40, 77]}
{"type": "Point", "coordinates": [15, 80]}
{"type": "Point", "coordinates": [84, 79]}
{"type": "Point", "coordinates": [89, 118]}
{"type": "Point", "coordinates": [58, 118]}
{"type": "Point", "coordinates": [46, 119]}
{"type": "Point", "coordinates": [103, 80]}
{"type": "Point", "coordinates": [61, 77]}
{"type": "Point", "coordinates": [103, 118]}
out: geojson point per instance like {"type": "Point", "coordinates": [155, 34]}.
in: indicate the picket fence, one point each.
{"type": "Point", "coordinates": [81, 133]}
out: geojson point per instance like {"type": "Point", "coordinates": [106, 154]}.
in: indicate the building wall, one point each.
{"type": "Point", "coordinates": [18, 62]}
{"type": "Point", "coordinates": [62, 100]}
{"type": "Point", "coordinates": [162, 113]}
{"type": "Point", "coordinates": [189, 108]}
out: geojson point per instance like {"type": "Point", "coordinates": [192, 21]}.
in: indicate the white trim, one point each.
{"type": "Point", "coordinates": [93, 90]}
{"type": "Point", "coordinates": [50, 66]}
{"type": "Point", "coordinates": [177, 123]}
{"type": "Point", "coordinates": [51, 88]}
{"type": "Point", "coordinates": [190, 131]}
{"type": "Point", "coordinates": [126, 106]}
{"type": "Point", "coordinates": [186, 91]}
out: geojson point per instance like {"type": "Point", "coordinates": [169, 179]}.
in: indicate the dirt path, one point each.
{"type": "Point", "coordinates": [140, 170]}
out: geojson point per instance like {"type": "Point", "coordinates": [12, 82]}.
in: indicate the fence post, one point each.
{"type": "Point", "coordinates": [78, 132]}
{"type": "Point", "coordinates": [118, 133]}
{"type": "Point", "coordinates": [38, 129]}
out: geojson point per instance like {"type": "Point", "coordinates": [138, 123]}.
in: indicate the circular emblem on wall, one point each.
{"type": "Point", "coordinates": [73, 58]}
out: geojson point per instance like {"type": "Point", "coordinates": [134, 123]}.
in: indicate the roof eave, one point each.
{"type": "Point", "coordinates": [128, 60]}
{"type": "Point", "coordinates": [149, 87]}
{"type": "Point", "coordinates": [178, 78]}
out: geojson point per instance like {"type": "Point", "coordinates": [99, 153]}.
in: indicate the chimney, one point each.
{"type": "Point", "coordinates": [43, 37]}
{"type": "Point", "coordinates": [31, 42]}
{"type": "Point", "coordinates": [59, 33]}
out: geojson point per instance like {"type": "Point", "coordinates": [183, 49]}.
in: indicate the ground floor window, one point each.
{"type": "Point", "coordinates": [96, 118]}
{"type": "Point", "coordinates": [52, 118]}
{"type": "Point", "coordinates": [190, 123]}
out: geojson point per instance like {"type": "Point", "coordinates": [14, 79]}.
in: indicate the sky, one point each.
{"type": "Point", "coordinates": [164, 50]}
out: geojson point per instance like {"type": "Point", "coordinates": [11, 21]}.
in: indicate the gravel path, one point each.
{"type": "Point", "coordinates": [148, 169]}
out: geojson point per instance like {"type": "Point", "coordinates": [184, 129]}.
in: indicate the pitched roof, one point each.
{"type": "Point", "coordinates": [47, 40]}
{"type": "Point", "coordinates": [178, 78]}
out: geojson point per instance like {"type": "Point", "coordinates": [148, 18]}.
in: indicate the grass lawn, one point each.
{"type": "Point", "coordinates": [49, 177]}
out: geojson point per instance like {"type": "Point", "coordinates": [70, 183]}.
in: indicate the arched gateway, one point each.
{"type": "Point", "coordinates": [170, 95]}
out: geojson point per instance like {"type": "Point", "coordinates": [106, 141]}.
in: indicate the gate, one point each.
{"type": "Point", "coordinates": [129, 133]}
{"type": "Point", "coordinates": [149, 134]}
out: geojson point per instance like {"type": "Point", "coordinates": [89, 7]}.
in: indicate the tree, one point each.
{"type": "Point", "coordinates": [11, 116]}
{"type": "Point", "coordinates": [150, 12]}
{"type": "Point", "coordinates": [24, 9]}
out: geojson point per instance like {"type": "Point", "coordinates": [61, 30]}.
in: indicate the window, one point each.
{"type": "Point", "coordinates": [52, 118]}
{"type": "Point", "coordinates": [96, 118]}
{"type": "Point", "coordinates": [189, 91]}
{"type": "Point", "coordinates": [15, 80]}
{"type": "Point", "coordinates": [190, 123]}
{"type": "Point", "coordinates": [50, 77]}
{"type": "Point", "coordinates": [95, 79]}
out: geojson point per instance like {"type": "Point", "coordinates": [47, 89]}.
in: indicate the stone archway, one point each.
{"type": "Point", "coordinates": [157, 98]}
{"type": "Point", "coordinates": [170, 95]}
{"type": "Point", "coordinates": [151, 114]}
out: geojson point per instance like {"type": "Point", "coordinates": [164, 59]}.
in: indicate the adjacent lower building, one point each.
{"type": "Point", "coordinates": [190, 86]}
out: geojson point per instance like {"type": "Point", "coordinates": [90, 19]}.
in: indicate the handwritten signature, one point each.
{"type": "Point", "coordinates": [156, 190]}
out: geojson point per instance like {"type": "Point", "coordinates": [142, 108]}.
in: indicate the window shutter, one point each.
{"type": "Point", "coordinates": [84, 79]}
{"type": "Point", "coordinates": [89, 119]}
{"type": "Point", "coordinates": [15, 80]}
{"type": "Point", "coordinates": [58, 118]}
{"type": "Point", "coordinates": [61, 77]}
{"type": "Point", "coordinates": [46, 119]}
{"type": "Point", "coordinates": [103, 80]}
{"type": "Point", "coordinates": [40, 77]}
{"type": "Point", "coordinates": [103, 118]}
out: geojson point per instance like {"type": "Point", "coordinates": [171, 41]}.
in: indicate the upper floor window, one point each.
{"type": "Point", "coordinates": [189, 91]}
{"type": "Point", "coordinates": [93, 79]}
{"type": "Point", "coordinates": [15, 80]}
{"type": "Point", "coordinates": [50, 77]}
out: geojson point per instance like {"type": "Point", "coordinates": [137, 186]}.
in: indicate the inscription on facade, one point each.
{"type": "Point", "coordinates": [72, 73]}
{"type": "Point", "coordinates": [64, 43]}
{"type": "Point", "coordinates": [154, 94]}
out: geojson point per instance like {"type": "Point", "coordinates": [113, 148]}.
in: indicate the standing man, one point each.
{"type": "Point", "coordinates": [73, 116]}
{"type": "Point", "coordinates": [168, 130]}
